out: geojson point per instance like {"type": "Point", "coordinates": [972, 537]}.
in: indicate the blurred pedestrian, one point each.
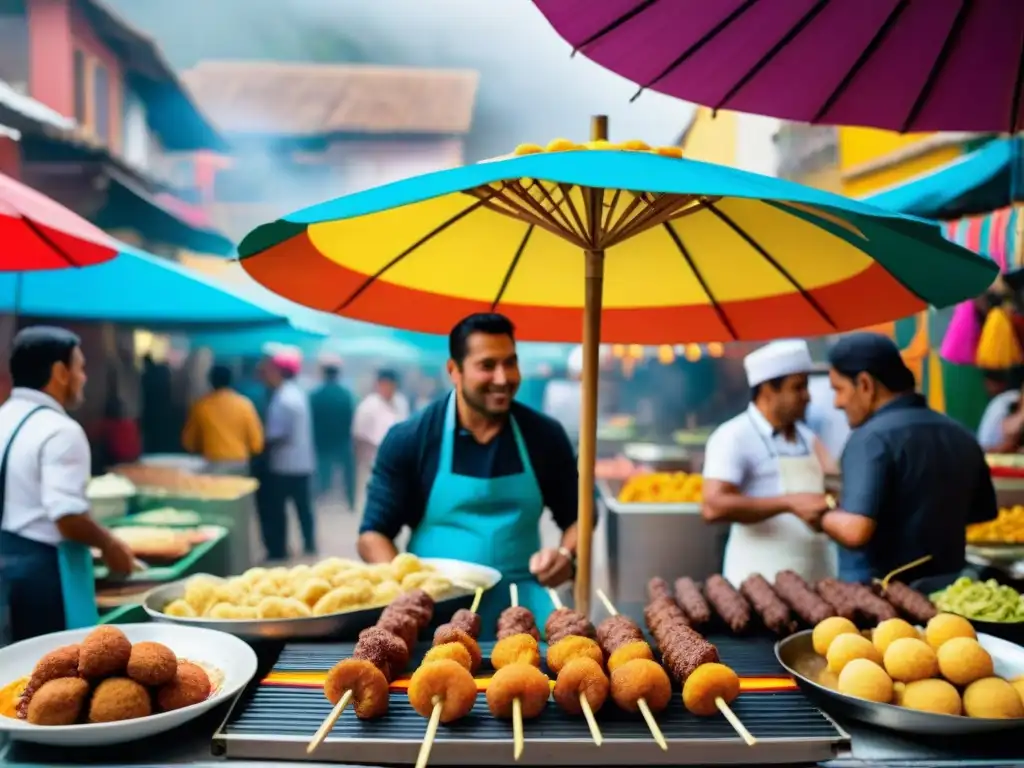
{"type": "Point", "coordinates": [380, 410]}
{"type": "Point", "coordinates": [118, 439]}
{"type": "Point", "coordinates": [223, 427]}
{"type": "Point", "coordinates": [332, 406]}
{"type": "Point", "coordinates": [291, 458]}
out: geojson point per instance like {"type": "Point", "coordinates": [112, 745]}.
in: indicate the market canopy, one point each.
{"type": "Point", "coordinates": [977, 182]}
{"type": "Point", "coordinates": [134, 288]}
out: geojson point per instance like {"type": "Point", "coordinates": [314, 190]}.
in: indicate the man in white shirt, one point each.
{"type": "Point", "coordinates": [563, 398]}
{"type": "Point", "coordinates": [44, 470]}
{"type": "Point", "coordinates": [378, 412]}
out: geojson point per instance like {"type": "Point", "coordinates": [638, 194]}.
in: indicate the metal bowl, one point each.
{"type": "Point", "coordinates": [796, 654]}
{"type": "Point", "coordinates": [1011, 631]}
{"type": "Point", "coordinates": [339, 626]}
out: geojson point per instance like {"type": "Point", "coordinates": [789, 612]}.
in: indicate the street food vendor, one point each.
{"type": "Point", "coordinates": [472, 473]}
{"type": "Point", "coordinates": [764, 472]}
{"type": "Point", "coordinates": [1001, 429]}
{"type": "Point", "coordinates": [913, 479]}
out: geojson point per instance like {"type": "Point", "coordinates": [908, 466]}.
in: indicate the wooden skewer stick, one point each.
{"type": "Point", "coordinates": [517, 728]}
{"type": "Point", "coordinates": [476, 599]}
{"type": "Point", "coordinates": [735, 722]}
{"type": "Point", "coordinates": [555, 599]}
{"type": "Point", "coordinates": [588, 713]}
{"type": "Point", "coordinates": [466, 585]}
{"type": "Point", "coordinates": [652, 724]}
{"type": "Point", "coordinates": [913, 564]}
{"type": "Point", "coordinates": [428, 738]}
{"type": "Point", "coordinates": [513, 593]}
{"type": "Point", "coordinates": [328, 723]}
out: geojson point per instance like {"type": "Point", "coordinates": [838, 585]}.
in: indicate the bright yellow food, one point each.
{"type": "Point", "coordinates": [992, 697]}
{"type": "Point", "coordinates": [828, 630]}
{"type": "Point", "coordinates": [865, 680]}
{"type": "Point", "coordinates": [846, 648]}
{"type": "Point", "coordinates": [663, 488]}
{"type": "Point", "coordinates": [909, 659]}
{"type": "Point", "coordinates": [1007, 528]}
{"type": "Point", "coordinates": [936, 696]}
{"type": "Point", "coordinates": [962, 660]}
{"type": "Point", "coordinates": [946, 626]}
{"type": "Point", "coordinates": [891, 630]}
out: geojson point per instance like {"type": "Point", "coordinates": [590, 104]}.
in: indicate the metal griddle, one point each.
{"type": "Point", "coordinates": [276, 723]}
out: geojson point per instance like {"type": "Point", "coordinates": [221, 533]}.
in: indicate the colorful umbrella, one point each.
{"type": "Point", "coordinates": [690, 252]}
{"type": "Point", "coordinates": [37, 233]}
{"type": "Point", "coordinates": [940, 65]}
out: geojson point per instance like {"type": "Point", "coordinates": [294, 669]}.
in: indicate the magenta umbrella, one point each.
{"type": "Point", "coordinates": [904, 65]}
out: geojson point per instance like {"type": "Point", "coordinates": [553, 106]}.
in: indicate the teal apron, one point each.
{"type": "Point", "coordinates": [491, 521]}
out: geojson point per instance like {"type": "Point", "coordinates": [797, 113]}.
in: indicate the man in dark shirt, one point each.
{"type": "Point", "coordinates": [472, 473]}
{"type": "Point", "coordinates": [913, 479]}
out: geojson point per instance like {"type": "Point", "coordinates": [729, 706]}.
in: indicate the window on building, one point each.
{"type": "Point", "coordinates": [81, 90]}
{"type": "Point", "coordinates": [101, 102]}
{"type": "Point", "coordinates": [14, 44]}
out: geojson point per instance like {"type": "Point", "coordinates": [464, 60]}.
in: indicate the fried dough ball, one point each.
{"type": "Point", "coordinates": [118, 698]}
{"type": "Point", "coordinates": [386, 591]}
{"type": "Point", "coordinates": [946, 626]}
{"type": "Point", "coordinates": [58, 702]}
{"type": "Point", "coordinates": [342, 599]}
{"type": "Point", "coordinates": [152, 663]}
{"type": "Point", "coordinates": [626, 653]}
{"type": "Point", "coordinates": [190, 685]}
{"type": "Point", "coordinates": [845, 648]}
{"type": "Point", "coordinates": [641, 679]}
{"type": "Point", "coordinates": [962, 660]}
{"type": "Point", "coordinates": [104, 652]}
{"type": "Point", "coordinates": [454, 651]}
{"type": "Point", "coordinates": [443, 681]}
{"type": "Point", "coordinates": [405, 564]}
{"type": "Point", "coordinates": [891, 630]}
{"type": "Point", "coordinates": [199, 593]}
{"type": "Point", "coordinates": [935, 696]}
{"type": "Point", "coordinates": [282, 608]}
{"type": "Point", "coordinates": [234, 612]}
{"type": "Point", "coordinates": [58, 663]}
{"type": "Point", "coordinates": [515, 649]}
{"type": "Point", "coordinates": [864, 679]}
{"type": "Point", "coordinates": [1018, 684]}
{"type": "Point", "coordinates": [518, 681]}
{"type": "Point", "coordinates": [368, 685]}
{"type": "Point", "coordinates": [312, 590]}
{"type": "Point", "coordinates": [581, 675]}
{"type": "Point", "coordinates": [992, 697]}
{"type": "Point", "coordinates": [570, 648]}
{"type": "Point", "coordinates": [708, 683]}
{"type": "Point", "coordinates": [446, 633]}
{"type": "Point", "coordinates": [181, 609]}
{"type": "Point", "coordinates": [908, 659]}
{"type": "Point", "coordinates": [828, 630]}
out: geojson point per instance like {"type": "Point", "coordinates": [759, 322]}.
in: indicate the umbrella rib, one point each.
{"type": "Point", "coordinates": [1018, 85]}
{"type": "Point", "coordinates": [632, 13]}
{"type": "Point", "coordinates": [38, 232]}
{"type": "Point", "coordinates": [408, 251]}
{"type": "Point", "coordinates": [939, 64]}
{"type": "Point", "coordinates": [725, 219]}
{"type": "Point", "coordinates": [763, 62]}
{"type": "Point", "coordinates": [512, 268]}
{"type": "Point", "coordinates": [865, 56]}
{"type": "Point", "coordinates": [708, 36]}
{"type": "Point", "coordinates": [700, 279]}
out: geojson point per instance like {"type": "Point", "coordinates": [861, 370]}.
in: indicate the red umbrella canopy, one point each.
{"type": "Point", "coordinates": [38, 233]}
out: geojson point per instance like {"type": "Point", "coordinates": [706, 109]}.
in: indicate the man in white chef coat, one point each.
{"type": "Point", "coordinates": [378, 412]}
{"type": "Point", "coordinates": [764, 472]}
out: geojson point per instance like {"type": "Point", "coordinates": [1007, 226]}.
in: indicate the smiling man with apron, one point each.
{"type": "Point", "coordinates": [764, 472]}
{"type": "Point", "coordinates": [472, 474]}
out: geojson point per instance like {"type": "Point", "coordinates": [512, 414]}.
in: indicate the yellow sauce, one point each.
{"type": "Point", "coordinates": [10, 694]}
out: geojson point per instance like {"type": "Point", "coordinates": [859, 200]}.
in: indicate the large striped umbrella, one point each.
{"type": "Point", "coordinates": [674, 250]}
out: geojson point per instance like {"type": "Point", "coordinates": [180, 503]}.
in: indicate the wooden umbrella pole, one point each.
{"type": "Point", "coordinates": [588, 417]}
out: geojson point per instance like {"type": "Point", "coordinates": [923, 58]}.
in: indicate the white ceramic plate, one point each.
{"type": "Point", "coordinates": [231, 656]}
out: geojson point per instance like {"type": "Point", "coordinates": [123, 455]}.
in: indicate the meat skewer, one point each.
{"type": "Point", "coordinates": [575, 676]}
{"type": "Point", "coordinates": [728, 603]}
{"type": "Point", "coordinates": [692, 602]}
{"type": "Point", "coordinates": [869, 605]}
{"type": "Point", "coordinates": [798, 594]}
{"type": "Point", "coordinates": [908, 601]}
{"type": "Point", "coordinates": [379, 655]}
{"type": "Point", "coordinates": [620, 632]}
{"type": "Point", "coordinates": [835, 594]}
{"type": "Point", "coordinates": [708, 685]}
{"type": "Point", "coordinates": [773, 611]}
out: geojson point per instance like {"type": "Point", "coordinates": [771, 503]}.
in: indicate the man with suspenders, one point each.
{"type": "Point", "coordinates": [45, 467]}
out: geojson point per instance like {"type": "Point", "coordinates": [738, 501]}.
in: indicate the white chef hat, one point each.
{"type": "Point", "coordinates": [778, 359]}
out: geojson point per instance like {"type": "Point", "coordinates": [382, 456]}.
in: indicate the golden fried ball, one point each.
{"type": "Point", "coordinates": [629, 652]}
{"type": "Point", "coordinates": [641, 679]}
{"type": "Point", "coordinates": [180, 609]}
{"type": "Point", "coordinates": [117, 699]}
{"type": "Point", "coordinates": [200, 593]}
{"type": "Point", "coordinates": [312, 590]}
{"type": "Point", "coordinates": [253, 575]}
{"type": "Point", "coordinates": [404, 564]}
{"type": "Point", "coordinates": [992, 697]}
{"type": "Point", "coordinates": [898, 689]}
{"type": "Point", "coordinates": [828, 630]}
{"type": "Point", "coordinates": [908, 659]}
{"type": "Point", "coordinates": [946, 626]}
{"type": "Point", "coordinates": [453, 651]}
{"type": "Point", "coordinates": [573, 647]}
{"type": "Point", "coordinates": [522, 681]}
{"type": "Point", "coordinates": [864, 679]}
{"type": "Point", "coordinates": [846, 647]}
{"type": "Point", "coordinates": [515, 649]}
{"type": "Point", "coordinates": [892, 629]}
{"type": "Point", "coordinates": [436, 586]}
{"type": "Point", "coordinates": [58, 702]}
{"type": "Point", "coordinates": [1018, 684]}
{"type": "Point", "coordinates": [386, 591]}
{"type": "Point", "coordinates": [962, 660]}
{"type": "Point", "coordinates": [581, 676]}
{"type": "Point", "coordinates": [445, 682]}
{"type": "Point", "coordinates": [415, 580]}
{"type": "Point", "coordinates": [226, 593]}
{"type": "Point", "coordinates": [708, 683]}
{"type": "Point", "coordinates": [450, 634]}
{"type": "Point", "coordinates": [343, 598]}
{"type": "Point", "coordinates": [104, 652]}
{"type": "Point", "coordinates": [299, 573]}
{"type": "Point", "coordinates": [369, 687]}
{"type": "Point", "coordinates": [936, 696]}
{"type": "Point", "coordinates": [282, 608]}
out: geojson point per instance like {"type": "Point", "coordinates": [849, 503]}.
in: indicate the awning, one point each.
{"type": "Point", "coordinates": [136, 289]}
{"type": "Point", "coordinates": [23, 113]}
{"type": "Point", "coordinates": [975, 183]}
{"type": "Point", "coordinates": [992, 234]}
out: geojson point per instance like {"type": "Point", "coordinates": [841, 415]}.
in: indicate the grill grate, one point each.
{"type": "Point", "coordinates": [278, 721]}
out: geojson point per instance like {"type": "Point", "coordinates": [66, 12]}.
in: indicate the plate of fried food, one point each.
{"type": "Point", "coordinates": [332, 598]}
{"type": "Point", "coordinates": [108, 685]}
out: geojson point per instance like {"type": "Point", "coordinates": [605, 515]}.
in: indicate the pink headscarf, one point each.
{"type": "Point", "coordinates": [287, 360]}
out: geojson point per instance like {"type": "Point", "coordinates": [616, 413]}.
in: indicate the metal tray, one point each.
{"type": "Point", "coordinates": [796, 655]}
{"type": "Point", "coordinates": [346, 625]}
